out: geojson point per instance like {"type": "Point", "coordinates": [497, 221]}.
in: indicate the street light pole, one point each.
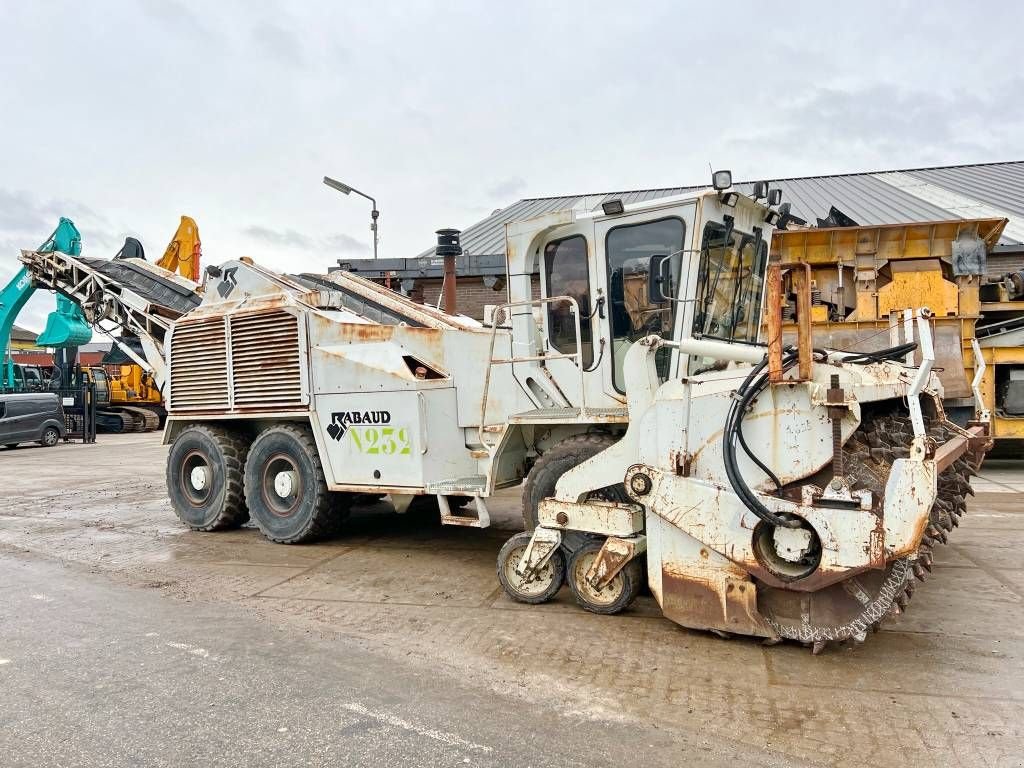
{"type": "Point", "coordinates": [374, 214]}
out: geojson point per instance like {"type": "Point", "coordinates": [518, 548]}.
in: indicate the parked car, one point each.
{"type": "Point", "coordinates": [33, 417]}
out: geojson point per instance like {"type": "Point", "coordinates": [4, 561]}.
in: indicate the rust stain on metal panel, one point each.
{"type": "Point", "coordinates": [727, 605]}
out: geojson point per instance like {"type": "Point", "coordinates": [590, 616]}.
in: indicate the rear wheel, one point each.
{"type": "Point", "coordinates": [50, 437]}
{"type": "Point", "coordinates": [285, 487]}
{"type": "Point", "coordinates": [555, 462]}
{"type": "Point", "coordinates": [204, 478]}
{"type": "Point", "coordinates": [615, 596]}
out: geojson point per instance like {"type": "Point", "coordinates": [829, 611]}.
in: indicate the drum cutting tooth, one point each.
{"type": "Point", "coordinates": [926, 561]}
{"type": "Point", "coordinates": [903, 600]}
{"type": "Point", "coordinates": [920, 572]}
{"type": "Point", "coordinates": [818, 647]}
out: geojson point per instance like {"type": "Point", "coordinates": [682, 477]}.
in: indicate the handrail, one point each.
{"type": "Point", "coordinates": [577, 356]}
{"type": "Point", "coordinates": [924, 333]}
{"type": "Point", "coordinates": [983, 413]}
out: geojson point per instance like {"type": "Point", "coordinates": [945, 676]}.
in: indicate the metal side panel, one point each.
{"type": "Point", "coordinates": [399, 439]}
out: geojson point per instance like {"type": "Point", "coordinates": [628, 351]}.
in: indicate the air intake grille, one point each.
{"type": "Point", "coordinates": [265, 360]}
{"type": "Point", "coordinates": [199, 366]}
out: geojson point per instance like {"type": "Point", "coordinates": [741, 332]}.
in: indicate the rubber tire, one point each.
{"type": "Point", "coordinates": [632, 575]}
{"type": "Point", "coordinates": [224, 451]}
{"type": "Point", "coordinates": [555, 462]}
{"type": "Point", "coordinates": [557, 562]}
{"type": "Point", "coordinates": [11, 446]}
{"type": "Point", "coordinates": [50, 437]}
{"type": "Point", "coordinates": [318, 512]}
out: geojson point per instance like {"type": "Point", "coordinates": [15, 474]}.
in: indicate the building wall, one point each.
{"type": "Point", "coordinates": [471, 294]}
{"type": "Point", "coordinates": [46, 358]}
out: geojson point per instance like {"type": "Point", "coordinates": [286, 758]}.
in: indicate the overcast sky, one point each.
{"type": "Point", "coordinates": [125, 115]}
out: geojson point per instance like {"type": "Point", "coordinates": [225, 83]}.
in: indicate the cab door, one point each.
{"type": "Point", "coordinates": [567, 269]}
{"type": "Point", "coordinates": [645, 256]}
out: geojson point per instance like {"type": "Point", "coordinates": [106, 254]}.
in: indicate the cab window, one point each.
{"type": "Point", "coordinates": [636, 308]}
{"type": "Point", "coordinates": [565, 273]}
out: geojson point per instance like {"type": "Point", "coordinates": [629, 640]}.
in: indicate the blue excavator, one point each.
{"type": "Point", "coordinates": [66, 328]}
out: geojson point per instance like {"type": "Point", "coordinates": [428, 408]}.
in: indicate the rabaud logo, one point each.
{"type": "Point", "coordinates": [340, 421]}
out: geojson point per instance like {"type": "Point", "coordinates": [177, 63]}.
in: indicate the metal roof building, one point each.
{"type": "Point", "coordinates": [884, 197]}
{"type": "Point", "coordinates": [989, 190]}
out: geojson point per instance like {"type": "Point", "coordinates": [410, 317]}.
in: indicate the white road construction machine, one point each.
{"type": "Point", "coordinates": [658, 433]}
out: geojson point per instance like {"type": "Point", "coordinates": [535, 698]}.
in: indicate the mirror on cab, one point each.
{"type": "Point", "coordinates": [760, 190]}
{"type": "Point", "coordinates": [774, 197]}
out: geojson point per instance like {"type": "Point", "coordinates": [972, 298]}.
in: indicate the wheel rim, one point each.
{"type": "Point", "coordinates": [196, 478]}
{"type": "Point", "coordinates": [282, 485]}
{"type": "Point", "coordinates": [599, 597]}
{"type": "Point", "coordinates": [528, 587]}
{"type": "Point", "coordinates": [50, 438]}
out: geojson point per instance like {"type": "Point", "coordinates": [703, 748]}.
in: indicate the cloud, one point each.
{"type": "Point", "coordinates": [506, 189]}
{"type": "Point", "coordinates": [345, 244]}
{"type": "Point", "coordinates": [21, 212]}
{"type": "Point", "coordinates": [174, 15]}
{"type": "Point", "coordinates": [288, 238]}
{"type": "Point", "coordinates": [888, 125]}
{"type": "Point", "coordinates": [279, 43]}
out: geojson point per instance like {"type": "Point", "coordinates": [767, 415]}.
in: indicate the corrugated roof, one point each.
{"type": "Point", "coordinates": [23, 335]}
{"type": "Point", "coordinates": [877, 197]}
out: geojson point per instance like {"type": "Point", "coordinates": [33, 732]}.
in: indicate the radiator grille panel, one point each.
{"type": "Point", "coordinates": [265, 359]}
{"type": "Point", "coordinates": [266, 364]}
{"type": "Point", "coordinates": [199, 366]}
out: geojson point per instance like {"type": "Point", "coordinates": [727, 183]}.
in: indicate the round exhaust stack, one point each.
{"type": "Point", "coordinates": [448, 247]}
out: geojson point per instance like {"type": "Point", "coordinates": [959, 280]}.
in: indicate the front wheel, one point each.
{"type": "Point", "coordinates": [535, 589]}
{"type": "Point", "coordinates": [285, 486]}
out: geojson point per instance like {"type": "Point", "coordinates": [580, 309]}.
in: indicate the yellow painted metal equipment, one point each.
{"type": "Point", "coordinates": [184, 251]}
{"type": "Point", "coordinates": [862, 275]}
{"type": "Point", "coordinates": [133, 385]}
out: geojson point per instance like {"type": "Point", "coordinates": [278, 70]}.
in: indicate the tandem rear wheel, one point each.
{"type": "Point", "coordinates": [204, 477]}
{"type": "Point", "coordinates": [285, 487]}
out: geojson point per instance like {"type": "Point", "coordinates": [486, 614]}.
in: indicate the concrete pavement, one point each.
{"type": "Point", "coordinates": [942, 685]}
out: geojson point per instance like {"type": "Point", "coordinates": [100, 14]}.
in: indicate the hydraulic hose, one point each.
{"type": "Point", "coordinates": [754, 384]}
{"type": "Point", "coordinates": [891, 353]}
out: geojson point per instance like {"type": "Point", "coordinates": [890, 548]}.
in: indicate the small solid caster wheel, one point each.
{"type": "Point", "coordinates": [538, 588]}
{"type": "Point", "coordinates": [615, 596]}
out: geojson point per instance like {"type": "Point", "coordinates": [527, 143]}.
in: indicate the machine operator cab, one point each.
{"type": "Point", "coordinates": [681, 266]}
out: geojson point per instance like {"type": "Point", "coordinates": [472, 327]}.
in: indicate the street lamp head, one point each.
{"type": "Point", "coordinates": [335, 184]}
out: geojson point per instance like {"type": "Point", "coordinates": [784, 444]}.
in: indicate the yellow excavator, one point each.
{"type": "Point", "coordinates": [133, 386]}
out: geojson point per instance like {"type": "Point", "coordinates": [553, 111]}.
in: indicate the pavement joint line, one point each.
{"type": "Point", "coordinates": [570, 609]}
{"type": "Point", "coordinates": [991, 572]}
{"type": "Point", "coordinates": [902, 692]}
{"type": "Point", "coordinates": [565, 609]}
{"type": "Point", "coordinates": [344, 551]}
{"type": "Point", "coordinates": [996, 482]}
{"type": "Point", "coordinates": [488, 602]}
